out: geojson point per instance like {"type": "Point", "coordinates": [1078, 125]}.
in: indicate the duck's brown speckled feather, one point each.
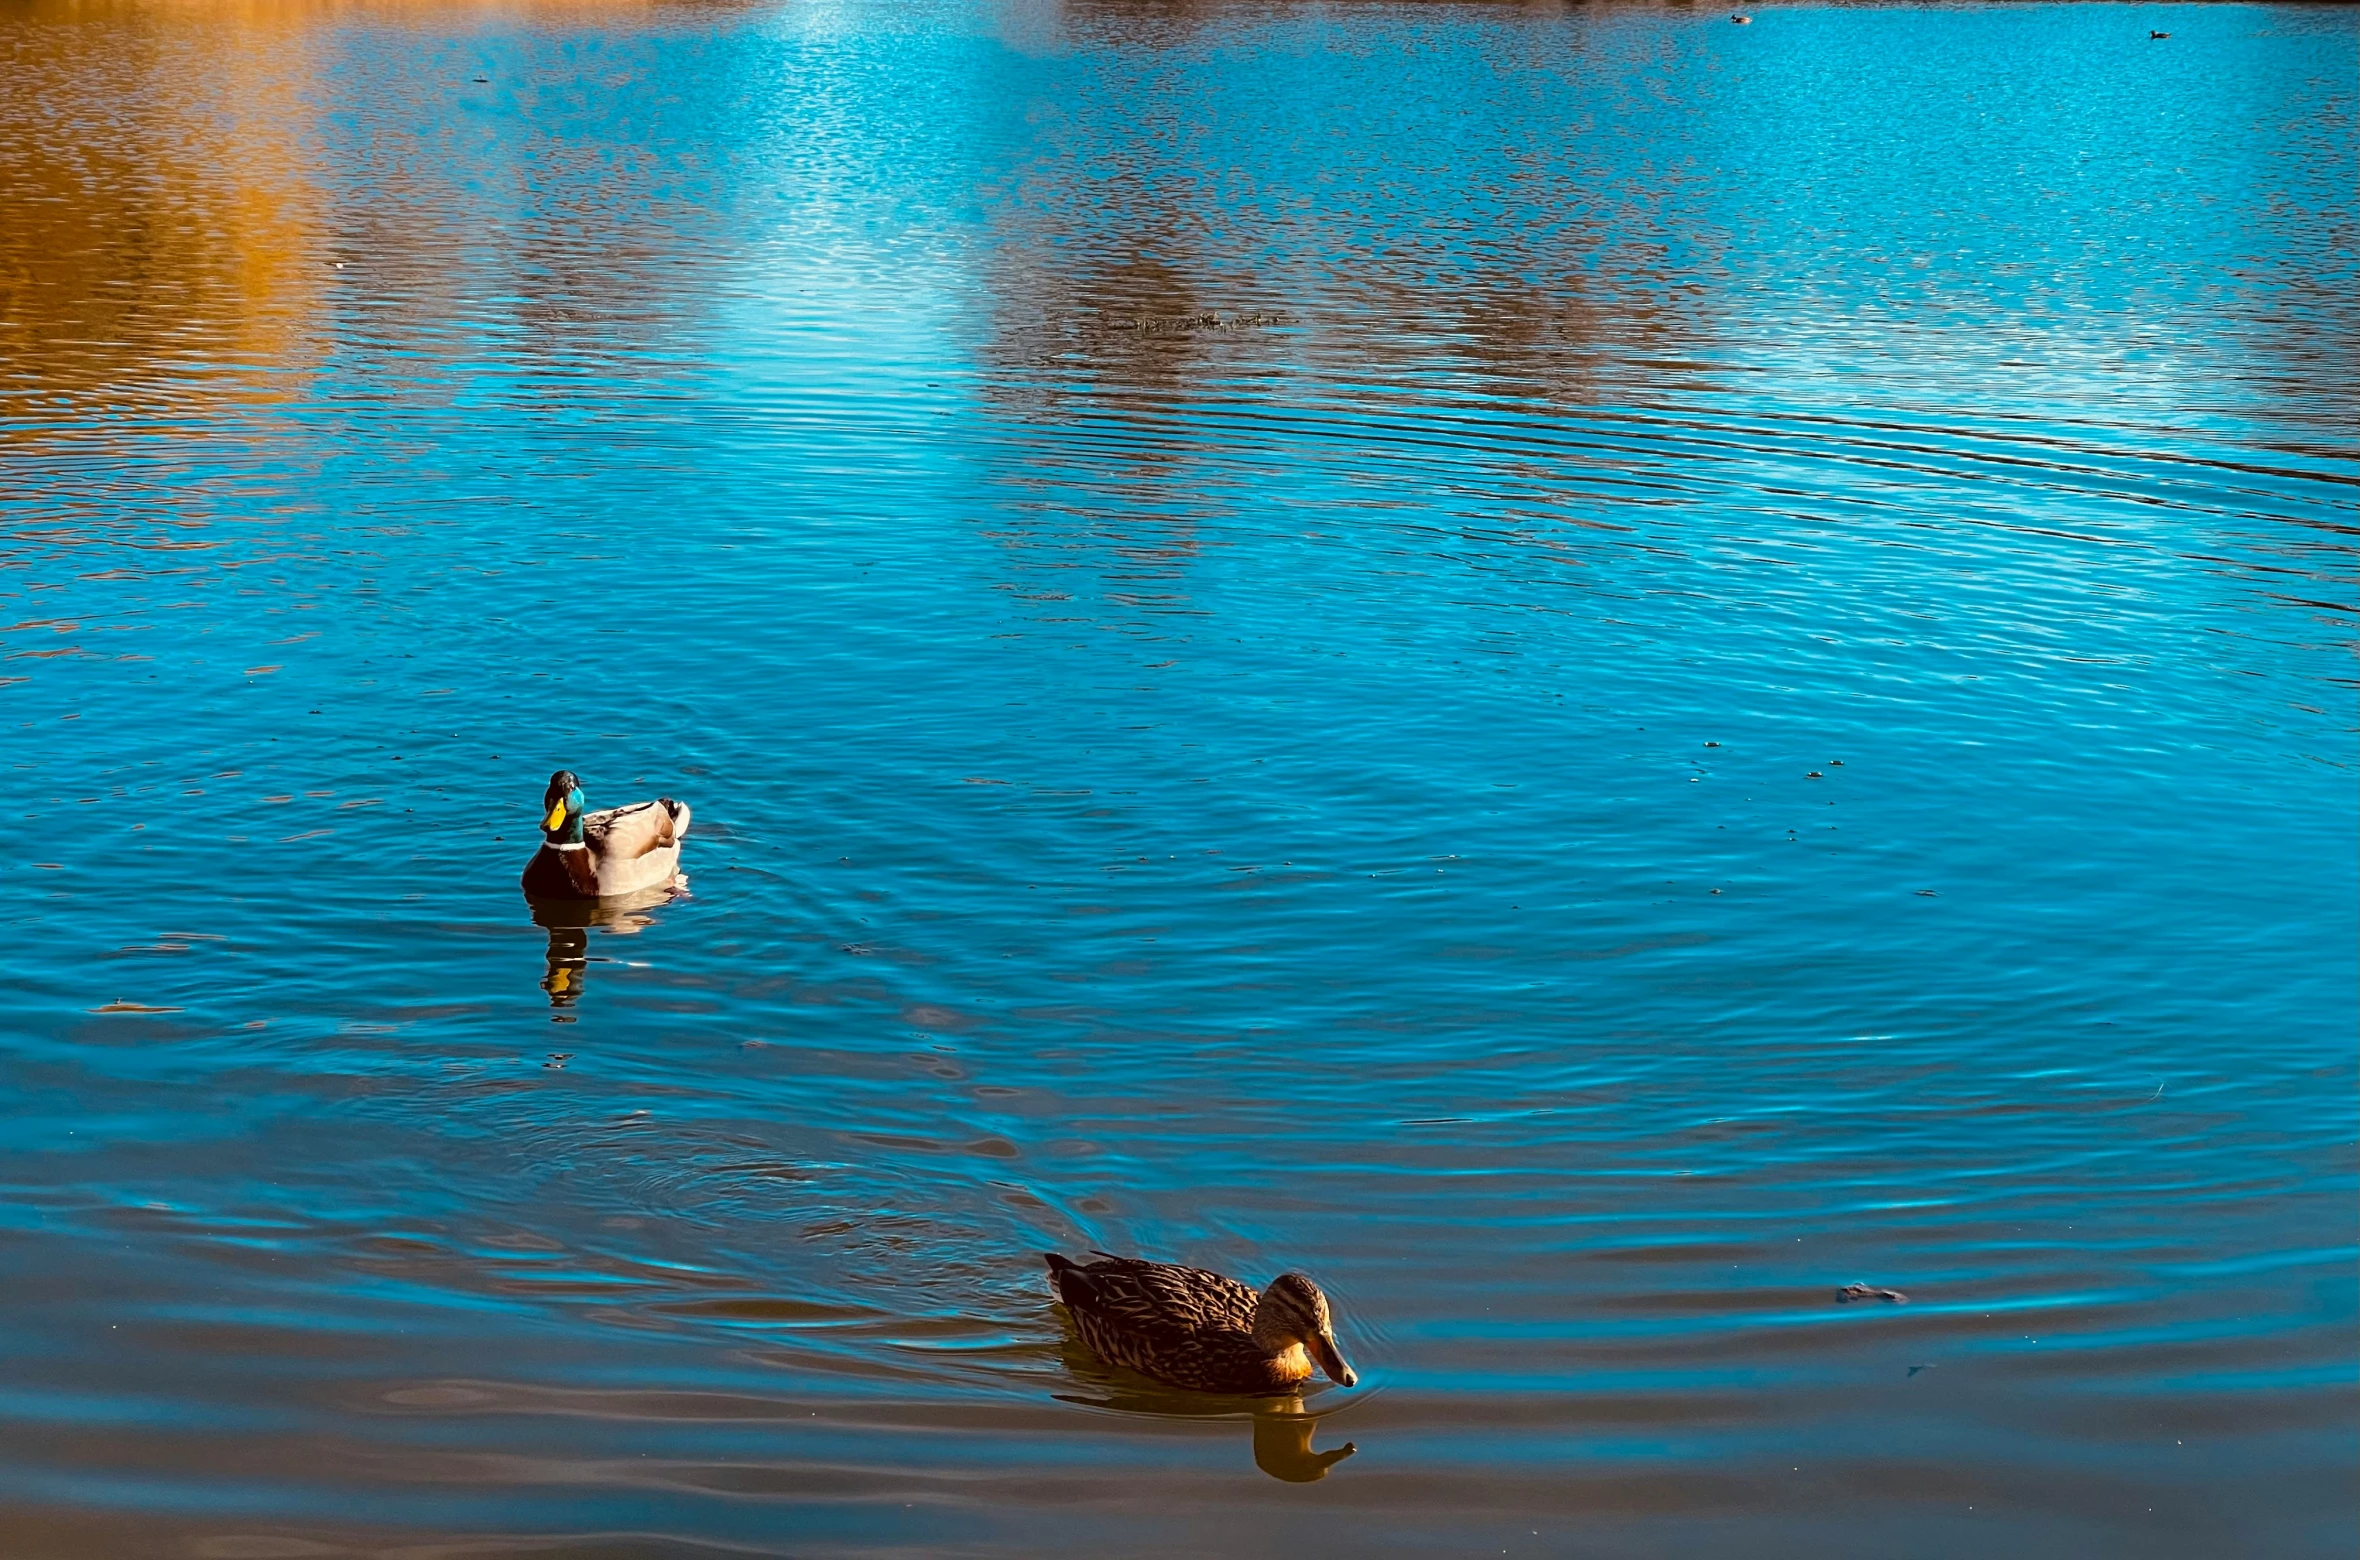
{"type": "Point", "coordinates": [1181, 1325]}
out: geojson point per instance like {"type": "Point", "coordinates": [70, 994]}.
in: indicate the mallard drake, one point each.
{"type": "Point", "coordinates": [1195, 1329]}
{"type": "Point", "coordinates": [603, 855]}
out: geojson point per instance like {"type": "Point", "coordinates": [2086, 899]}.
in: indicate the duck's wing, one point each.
{"type": "Point", "coordinates": [625, 833]}
{"type": "Point", "coordinates": [1184, 1326]}
{"type": "Point", "coordinates": [1157, 1299]}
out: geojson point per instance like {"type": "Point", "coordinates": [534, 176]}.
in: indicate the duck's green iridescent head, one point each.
{"type": "Point", "coordinates": [563, 801]}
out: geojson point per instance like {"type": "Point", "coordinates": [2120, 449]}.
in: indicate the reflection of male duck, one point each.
{"type": "Point", "coordinates": [569, 961]}
{"type": "Point", "coordinates": [603, 855]}
{"type": "Point", "coordinates": [568, 923]}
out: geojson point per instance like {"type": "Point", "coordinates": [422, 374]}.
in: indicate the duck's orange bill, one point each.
{"type": "Point", "coordinates": [1331, 1361]}
{"type": "Point", "coordinates": [556, 818]}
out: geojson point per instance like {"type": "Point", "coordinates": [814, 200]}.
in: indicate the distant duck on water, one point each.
{"type": "Point", "coordinates": [1190, 1328]}
{"type": "Point", "coordinates": [603, 855]}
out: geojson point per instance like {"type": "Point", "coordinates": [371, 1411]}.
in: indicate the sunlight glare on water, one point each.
{"type": "Point", "coordinates": [1585, 671]}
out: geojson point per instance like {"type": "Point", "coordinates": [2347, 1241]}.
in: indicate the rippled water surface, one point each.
{"type": "Point", "coordinates": [1587, 671]}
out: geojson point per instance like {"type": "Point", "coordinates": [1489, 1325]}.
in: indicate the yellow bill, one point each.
{"type": "Point", "coordinates": [556, 817]}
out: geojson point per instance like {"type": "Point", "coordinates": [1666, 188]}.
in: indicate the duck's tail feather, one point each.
{"type": "Point", "coordinates": [1060, 1268]}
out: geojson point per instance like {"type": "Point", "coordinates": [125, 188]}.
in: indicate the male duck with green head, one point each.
{"type": "Point", "coordinates": [564, 823]}
{"type": "Point", "coordinates": [586, 855]}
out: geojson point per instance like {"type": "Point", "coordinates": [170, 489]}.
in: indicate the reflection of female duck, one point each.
{"type": "Point", "coordinates": [1282, 1444]}
{"type": "Point", "coordinates": [603, 855]}
{"type": "Point", "coordinates": [1282, 1426]}
{"type": "Point", "coordinates": [1197, 1329]}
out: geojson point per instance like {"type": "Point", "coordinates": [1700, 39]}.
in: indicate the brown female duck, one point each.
{"type": "Point", "coordinates": [1195, 1329]}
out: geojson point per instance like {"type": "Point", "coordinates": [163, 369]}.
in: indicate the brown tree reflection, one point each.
{"type": "Point", "coordinates": [161, 213]}
{"type": "Point", "coordinates": [208, 203]}
{"type": "Point", "coordinates": [1190, 220]}
{"type": "Point", "coordinates": [1209, 262]}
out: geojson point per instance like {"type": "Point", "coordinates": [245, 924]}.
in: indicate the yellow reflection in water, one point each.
{"type": "Point", "coordinates": [168, 242]}
{"type": "Point", "coordinates": [1282, 1444]}
{"type": "Point", "coordinates": [161, 213]}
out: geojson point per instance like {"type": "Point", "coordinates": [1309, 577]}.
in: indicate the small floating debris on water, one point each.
{"type": "Point", "coordinates": [1835, 763]}
{"type": "Point", "coordinates": [1712, 744]}
{"type": "Point", "coordinates": [1852, 1292]}
{"type": "Point", "coordinates": [132, 1007]}
{"type": "Point", "coordinates": [558, 1059]}
{"type": "Point", "coordinates": [1914, 1369]}
{"type": "Point", "coordinates": [1927, 893]}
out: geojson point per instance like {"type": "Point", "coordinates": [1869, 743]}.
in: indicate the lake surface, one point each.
{"type": "Point", "coordinates": [1586, 671]}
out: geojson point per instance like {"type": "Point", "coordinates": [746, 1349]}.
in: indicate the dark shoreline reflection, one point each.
{"type": "Point", "coordinates": [1162, 247]}
{"type": "Point", "coordinates": [569, 923]}
{"type": "Point", "coordinates": [1189, 285]}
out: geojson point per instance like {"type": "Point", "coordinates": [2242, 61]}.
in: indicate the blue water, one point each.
{"type": "Point", "coordinates": [1585, 671]}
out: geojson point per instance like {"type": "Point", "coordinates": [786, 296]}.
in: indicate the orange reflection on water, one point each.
{"type": "Point", "coordinates": [174, 231]}
{"type": "Point", "coordinates": [170, 239]}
